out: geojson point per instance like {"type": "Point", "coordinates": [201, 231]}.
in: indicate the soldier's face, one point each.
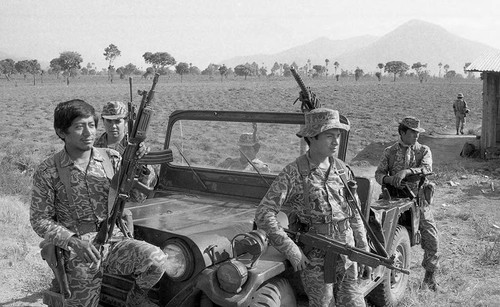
{"type": "Point", "coordinates": [80, 135]}
{"type": "Point", "coordinates": [327, 143]}
{"type": "Point", "coordinates": [409, 137]}
{"type": "Point", "coordinates": [115, 127]}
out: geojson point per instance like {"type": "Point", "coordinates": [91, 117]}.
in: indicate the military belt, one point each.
{"type": "Point", "coordinates": [84, 228]}
{"type": "Point", "coordinates": [329, 229]}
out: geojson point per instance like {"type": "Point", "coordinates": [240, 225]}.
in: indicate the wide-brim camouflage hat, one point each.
{"type": "Point", "coordinates": [413, 123]}
{"type": "Point", "coordinates": [320, 120]}
{"type": "Point", "coordinates": [247, 139]}
{"type": "Point", "coordinates": [114, 110]}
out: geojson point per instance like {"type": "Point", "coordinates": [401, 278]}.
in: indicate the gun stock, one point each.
{"type": "Point", "coordinates": [55, 259]}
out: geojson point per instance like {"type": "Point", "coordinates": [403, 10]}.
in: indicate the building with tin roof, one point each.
{"type": "Point", "coordinates": [489, 66]}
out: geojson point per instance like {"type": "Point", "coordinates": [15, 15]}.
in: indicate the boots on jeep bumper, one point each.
{"type": "Point", "coordinates": [431, 284]}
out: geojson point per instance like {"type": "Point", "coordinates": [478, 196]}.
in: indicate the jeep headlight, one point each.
{"type": "Point", "coordinates": [180, 260]}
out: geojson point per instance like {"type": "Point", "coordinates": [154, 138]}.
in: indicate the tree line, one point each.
{"type": "Point", "coordinates": [68, 64]}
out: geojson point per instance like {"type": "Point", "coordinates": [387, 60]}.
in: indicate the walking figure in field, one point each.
{"type": "Point", "coordinates": [69, 204]}
{"type": "Point", "coordinates": [115, 119]}
{"type": "Point", "coordinates": [311, 190]}
{"type": "Point", "coordinates": [460, 109]}
{"type": "Point", "coordinates": [249, 147]}
{"type": "Point", "coordinates": [406, 157]}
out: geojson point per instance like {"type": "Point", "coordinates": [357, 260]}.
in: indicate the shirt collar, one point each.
{"type": "Point", "coordinates": [67, 161]}
{"type": "Point", "coordinates": [313, 165]}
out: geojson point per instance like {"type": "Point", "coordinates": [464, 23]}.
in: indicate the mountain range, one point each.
{"type": "Point", "coordinates": [412, 42]}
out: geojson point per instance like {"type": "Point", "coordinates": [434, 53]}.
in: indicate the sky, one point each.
{"type": "Point", "coordinates": [211, 31]}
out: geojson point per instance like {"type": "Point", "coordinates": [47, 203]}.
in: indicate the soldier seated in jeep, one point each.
{"type": "Point", "coordinates": [249, 147]}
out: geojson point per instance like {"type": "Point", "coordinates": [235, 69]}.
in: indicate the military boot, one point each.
{"type": "Point", "coordinates": [431, 284]}
{"type": "Point", "coordinates": [138, 297]}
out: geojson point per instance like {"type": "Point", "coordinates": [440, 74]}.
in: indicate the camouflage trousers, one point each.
{"type": "Point", "coordinates": [321, 294]}
{"type": "Point", "coordinates": [430, 241]}
{"type": "Point", "coordinates": [142, 260]}
{"type": "Point", "coordinates": [460, 121]}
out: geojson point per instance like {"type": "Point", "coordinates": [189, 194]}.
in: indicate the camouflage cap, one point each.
{"type": "Point", "coordinates": [320, 120]}
{"type": "Point", "coordinates": [413, 123]}
{"type": "Point", "coordinates": [460, 95]}
{"type": "Point", "coordinates": [114, 110]}
{"type": "Point", "coordinates": [247, 139]}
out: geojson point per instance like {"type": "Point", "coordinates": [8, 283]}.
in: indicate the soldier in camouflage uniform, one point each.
{"type": "Point", "coordinates": [68, 215]}
{"type": "Point", "coordinates": [318, 198]}
{"type": "Point", "coordinates": [115, 115]}
{"type": "Point", "coordinates": [405, 157]}
{"type": "Point", "coordinates": [249, 147]}
{"type": "Point", "coordinates": [460, 109]}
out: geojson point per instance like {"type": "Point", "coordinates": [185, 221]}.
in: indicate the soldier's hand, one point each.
{"type": "Point", "coordinates": [301, 263]}
{"type": "Point", "coordinates": [143, 150]}
{"type": "Point", "coordinates": [398, 177]}
{"type": "Point", "coordinates": [85, 250]}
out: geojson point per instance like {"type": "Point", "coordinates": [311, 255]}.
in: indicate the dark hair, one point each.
{"type": "Point", "coordinates": [66, 112]}
{"type": "Point", "coordinates": [402, 128]}
{"type": "Point", "coordinates": [308, 141]}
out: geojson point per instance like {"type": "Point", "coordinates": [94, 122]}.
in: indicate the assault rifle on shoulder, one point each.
{"type": "Point", "coordinates": [130, 168]}
{"type": "Point", "coordinates": [331, 246]}
{"type": "Point", "coordinates": [306, 96]}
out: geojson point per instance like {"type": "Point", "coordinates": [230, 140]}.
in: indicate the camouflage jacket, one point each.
{"type": "Point", "coordinates": [51, 215]}
{"type": "Point", "coordinates": [326, 198]}
{"type": "Point", "coordinates": [460, 107]}
{"type": "Point", "coordinates": [393, 161]}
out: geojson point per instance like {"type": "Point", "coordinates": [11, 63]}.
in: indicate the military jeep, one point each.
{"type": "Point", "coordinates": [202, 215]}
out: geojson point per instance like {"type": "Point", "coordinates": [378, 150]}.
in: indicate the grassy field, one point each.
{"type": "Point", "coordinates": [467, 213]}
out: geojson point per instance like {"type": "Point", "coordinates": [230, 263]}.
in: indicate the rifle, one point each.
{"type": "Point", "coordinates": [130, 166]}
{"type": "Point", "coordinates": [404, 191]}
{"type": "Point", "coordinates": [330, 246]}
{"type": "Point", "coordinates": [306, 96]}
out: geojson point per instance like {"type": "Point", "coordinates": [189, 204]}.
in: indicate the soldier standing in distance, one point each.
{"type": "Point", "coordinates": [311, 188]}
{"type": "Point", "coordinates": [460, 109]}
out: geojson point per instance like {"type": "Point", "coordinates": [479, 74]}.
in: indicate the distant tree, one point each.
{"type": "Point", "coordinates": [159, 59]}
{"type": "Point", "coordinates": [319, 69]}
{"type": "Point", "coordinates": [326, 66]}
{"type": "Point", "coordinates": [110, 54]}
{"type": "Point", "coordinates": [274, 69]}
{"type": "Point", "coordinates": [420, 70]}
{"type": "Point", "coordinates": [243, 70]}
{"type": "Point", "coordinates": [450, 74]}
{"type": "Point", "coordinates": [223, 71]}
{"type": "Point", "coordinates": [396, 68]}
{"type": "Point", "coordinates": [469, 74]}
{"type": "Point", "coordinates": [263, 71]}
{"type": "Point", "coordinates": [440, 65]}
{"type": "Point", "coordinates": [254, 67]}
{"type": "Point", "coordinates": [446, 67]}
{"type": "Point", "coordinates": [380, 66]}
{"type": "Point", "coordinates": [210, 70]}
{"type": "Point", "coordinates": [194, 70]}
{"type": "Point", "coordinates": [69, 61]}
{"type": "Point", "coordinates": [182, 69]}
{"type": "Point", "coordinates": [34, 69]}
{"type": "Point", "coordinates": [7, 67]}
{"type": "Point", "coordinates": [336, 66]}
{"type": "Point", "coordinates": [127, 70]}
{"type": "Point", "coordinates": [358, 73]}
{"type": "Point", "coordinates": [149, 73]}
{"type": "Point", "coordinates": [22, 67]}
{"type": "Point", "coordinates": [378, 74]}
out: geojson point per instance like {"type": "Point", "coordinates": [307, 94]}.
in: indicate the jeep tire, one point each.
{"type": "Point", "coordinates": [275, 292]}
{"type": "Point", "coordinates": [391, 290]}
